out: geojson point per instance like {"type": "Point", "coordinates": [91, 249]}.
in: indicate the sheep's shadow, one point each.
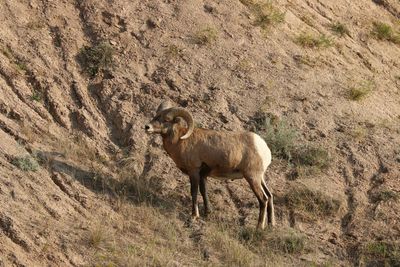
{"type": "Point", "coordinates": [136, 190]}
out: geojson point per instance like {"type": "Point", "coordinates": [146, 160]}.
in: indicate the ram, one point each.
{"type": "Point", "coordinates": [201, 153]}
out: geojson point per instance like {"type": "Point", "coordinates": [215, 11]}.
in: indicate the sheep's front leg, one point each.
{"type": "Point", "coordinates": [194, 188]}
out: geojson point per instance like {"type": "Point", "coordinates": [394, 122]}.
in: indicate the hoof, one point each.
{"type": "Point", "coordinates": [260, 227]}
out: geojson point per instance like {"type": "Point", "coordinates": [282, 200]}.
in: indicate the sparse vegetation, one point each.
{"type": "Point", "coordinates": [35, 25]}
{"type": "Point", "coordinates": [98, 236]}
{"type": "Point", "coordinates": [285, 241]}
{"type": "Point", "coordinates": [312, 41]}
{"type": "Point", "coordinates": [95, 59]}
{"type": "Point", "coordinates": [380, 253]}
{"type": "Point", "coordinates": [302, 200]}
{"type": "Point", "coordinates": [21, 66]}
{"type": "Point", "coordinates": [312, 156]}
{"type": "Point", "coordinates": [281, 137]}
{"type": "Point", "coordinates": [36, 96]}
{"type": "Point", "coordinates": [120, 249]}
{"type": "Point", "coordinates": [358, 132]}
{"type": "Point", "coordinates": [339, 29]}
{"type": "Point", "coordinates": [307, 19]}
{"type": "Point", "coordinates": [361, 91]}
{"type": "Point", "coordinates": [265, 13]}
{"type": "Point", "coordinates": [174, 51]}
{"type": "Point", "coordinates": [244, 65]}
{"type": "Point", "coordinates": [309, 160]}
{"type": "Point", "coordinates": [26, 163]}
{"type": "Point", "coordinates": [305, 60]}
{"type": "Point", "coordinates": [206, 36]}
{"type": "Point", "coordinates": [231, 252]}
{"type": "Point", "coordinates": [6, 51]}
{"type": "Point", "coordinates": [385, 195]}
{"type": "Point", "coordinates": [383, 31]}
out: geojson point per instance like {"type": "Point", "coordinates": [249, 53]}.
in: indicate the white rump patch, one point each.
{"type": "Point", "coordinates": [263, 150]}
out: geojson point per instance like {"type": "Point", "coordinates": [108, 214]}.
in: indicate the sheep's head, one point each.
{"type": "Point", "coordinates": [168, 119]}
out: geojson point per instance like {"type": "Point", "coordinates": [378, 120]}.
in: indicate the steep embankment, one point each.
{"type": "Point", "coordinates": [80, 182]}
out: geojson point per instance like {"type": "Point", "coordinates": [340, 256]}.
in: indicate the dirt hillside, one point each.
{"type": "Point", "coordinates": [81, 184]}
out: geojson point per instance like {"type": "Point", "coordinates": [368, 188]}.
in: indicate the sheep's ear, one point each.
{"type": "Point", "coordinates": [178, 120]}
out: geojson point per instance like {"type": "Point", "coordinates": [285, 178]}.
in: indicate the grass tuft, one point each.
{"type": "Point", "coordinates": [265, 12]}
{"type": "Point", "coordinates": [26, 163]}
{"type": "Point", "coordinates": [383, 31]}
{"type": "Point", "coordinates": [339, 29]}
{"type": "Point", "coordinates": [312, 41]}
{"type": "Point", "coordinates": [361, 91]}
{"type": "Point", "coordinates": [206, 36]}
{"type": "Point", "coordinates": [37, 96]}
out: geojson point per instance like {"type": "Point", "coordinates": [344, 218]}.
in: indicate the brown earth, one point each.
{"type": "Point", "coordinates": [106, 194]}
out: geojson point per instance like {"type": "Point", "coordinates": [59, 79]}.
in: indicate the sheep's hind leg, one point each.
{"type": "Point", "coordinates": [270, 205]}
{"type": "Point", "coordinates": [262, 200]}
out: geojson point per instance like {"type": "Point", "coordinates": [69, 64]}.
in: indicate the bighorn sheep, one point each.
{"type": "Point", "coordinates": [200, 153]}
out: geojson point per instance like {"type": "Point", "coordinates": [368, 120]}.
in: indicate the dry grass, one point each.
{"type": "Point", "coordinates": [280, 241]}
{"type": "Point", "coordinates": [361, 91]}
{"type": "Point", "coordinates": [385, 195]}
{"type": "Point", "coordinates": [229, 250]}
{"type": "Point", "coordinates": [306, 60]}
{"type": "Point", "coordinates": [77, 147]}
{"type": "Point", "coordinates": [133, 242]}
{"type": "Point", "coordinates": [310, 203]}
{"type": "Point", "coordinates": [380, 253]}
{"type": "Point", "coordinates": [99, 237]}
{"type": "Point", "coordinates": [312, 156]}
{"type": "Point", "coordinates": [358, 132]}
{"type": "Point", "coordinates": [205, 36]}
{"type": "Point", "coordinates": [311, 41]}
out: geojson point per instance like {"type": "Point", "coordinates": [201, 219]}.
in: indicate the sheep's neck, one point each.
{"type": "Point", "coordinates": [172, 144]}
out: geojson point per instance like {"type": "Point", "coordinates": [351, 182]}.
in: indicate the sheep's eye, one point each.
{"type": "Point", "coordinates": [167, 119]}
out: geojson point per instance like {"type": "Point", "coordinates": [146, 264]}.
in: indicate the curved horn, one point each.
{"type": "Point", "coordinates": [163, 106]}
{"type": "Point", "coordinates": [180, 112]}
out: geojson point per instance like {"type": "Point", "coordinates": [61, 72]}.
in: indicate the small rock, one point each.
{"type": "Point", "coordinates": [151, 24]}
{"type": "Point", "coordinates": [208, 8]}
